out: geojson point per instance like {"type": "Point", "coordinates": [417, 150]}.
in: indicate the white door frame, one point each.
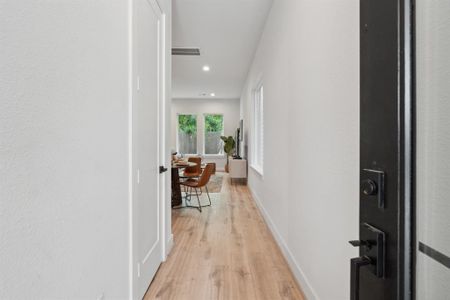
{"type": "Point", "coordinates": [162, 129]}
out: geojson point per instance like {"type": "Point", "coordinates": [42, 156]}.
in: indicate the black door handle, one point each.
{"type": "Point", "coordinates": [355, 265]}
{"type": "Point", "coordinates": [372, 253]}
{"type": "Point", "coordinates": [162, 169]}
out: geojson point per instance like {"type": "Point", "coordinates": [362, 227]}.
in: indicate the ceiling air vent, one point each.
{"type": "Point", "coordinates": [185, 51]}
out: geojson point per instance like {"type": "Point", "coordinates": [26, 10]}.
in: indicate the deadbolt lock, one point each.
{"type": "Point", "coordinates": [369, 187]}
{"type": "Point", "coordinates": [372, 186]}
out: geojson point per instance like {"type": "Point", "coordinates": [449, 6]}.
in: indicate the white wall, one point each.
{"type": "Point", "coordinates": [433, 145]}
{"type": "Point", "coordinates": [230, 108]}
{"type": "Point", "coordinates": [308, 59]}
{"type": "Point", "coordinates": [64, 194]}
{"type": "Point", "coordinates": [63, 149]}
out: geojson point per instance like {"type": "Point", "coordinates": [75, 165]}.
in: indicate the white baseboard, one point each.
{"type": "Point", "coordinates": [169, 246]}
{"type": "Point", "coordinates": [306, 287]}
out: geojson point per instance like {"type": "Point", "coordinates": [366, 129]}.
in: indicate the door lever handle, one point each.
{"type": "Point", "coordinates": [355, 265]}
{"type": "Point", "coordinates": [359, 243]}
{"type": "Point", "coordinates": [363, 244]}
{"type": "Point", "coordinates": [162, 169]}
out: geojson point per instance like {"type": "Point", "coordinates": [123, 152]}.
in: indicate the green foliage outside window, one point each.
{"type": "Point", "coordinates": [214, 123]}
{"type": "Point", "coordinates": [187, 124]}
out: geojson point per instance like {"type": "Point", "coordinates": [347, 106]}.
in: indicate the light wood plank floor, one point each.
{"type": "Point", "coordinates": [226, 252]}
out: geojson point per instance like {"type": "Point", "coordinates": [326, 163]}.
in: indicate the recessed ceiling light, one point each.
{"type": "Point", "coordinates": [212, 94]}
{"type": "Point", "coordinates": [206, 68]}
{"type": "Point", "coordinates": [203, 94]}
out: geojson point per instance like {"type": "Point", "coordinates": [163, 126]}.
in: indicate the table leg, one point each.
{"type": "Point", "coordinates": [176, 190]}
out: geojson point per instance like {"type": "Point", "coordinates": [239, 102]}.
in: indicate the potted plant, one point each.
{"type": "Point", "coordinates": [228, 146]}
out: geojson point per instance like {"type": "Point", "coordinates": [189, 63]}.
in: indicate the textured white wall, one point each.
{"type": "Point", "coordinates": [308, 59]}
{"type": "Point", "coordinates": [228, 107]}
{"type": "Point", "coordinates": [64, 227]}
{"type": "Point", "coordinates": [433, 145]}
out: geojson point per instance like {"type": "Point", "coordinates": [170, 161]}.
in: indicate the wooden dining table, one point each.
{"type": "Point", "coordinates": [177, 199]}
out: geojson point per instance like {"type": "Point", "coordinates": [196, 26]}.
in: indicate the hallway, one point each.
{"type": "Point", "coordinates": [226, 252]}
{"type": "Point", "coordinates": [335, 113]}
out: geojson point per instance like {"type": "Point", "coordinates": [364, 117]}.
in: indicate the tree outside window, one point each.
{"type": "Point", "coordinates": [187, 134]}
{"type": "Point", "coordinates": [213, 132]}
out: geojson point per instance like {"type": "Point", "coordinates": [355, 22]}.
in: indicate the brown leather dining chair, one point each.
{"type": "Point", "coordinates": [198, 184]}
{"type": "Point", "coordinates": [192, 172]}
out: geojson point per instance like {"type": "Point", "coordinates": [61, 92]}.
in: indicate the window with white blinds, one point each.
{"type": "Point", "coordinates": [258, 130]}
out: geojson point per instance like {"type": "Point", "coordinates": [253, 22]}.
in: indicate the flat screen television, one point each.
{"type": "Point", "coordinates": [241, 130]}
{"type": "Point", "coordinates": [239, 138]}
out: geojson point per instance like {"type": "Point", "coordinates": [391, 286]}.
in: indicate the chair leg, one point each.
{"type": "Point", "coordinates": [186, 192]}
{"type": "Point", "coordinates": [207, 193]}
{"type": "Point", "coordinates": [198, 200]}
{"type": "Point", "coordinates": [190, 193]}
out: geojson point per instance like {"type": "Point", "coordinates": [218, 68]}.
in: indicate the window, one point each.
{"type": "Point", "coordinates": [213, 132]}
{"type": "Point", "coordinates": [187, 134]}
{"type": "Point", "coordinates": [258, 130]}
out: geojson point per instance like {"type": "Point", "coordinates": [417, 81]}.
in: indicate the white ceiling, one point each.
{"type": "Point", "coordinates": [227, 33]}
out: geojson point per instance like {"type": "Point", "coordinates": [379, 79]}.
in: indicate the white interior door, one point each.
{"type": "Point", "coordinates": [147, 140]}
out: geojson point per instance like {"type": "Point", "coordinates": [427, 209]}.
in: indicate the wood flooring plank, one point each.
{"type": "Point", "coordinates": [227, 252]}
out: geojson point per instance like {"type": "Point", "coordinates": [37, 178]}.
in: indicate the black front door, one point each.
{"type": "Point", "coordinates": [382, 271]}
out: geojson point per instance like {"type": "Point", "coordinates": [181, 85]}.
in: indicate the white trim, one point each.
{"type": "Point", "coordinates": [257, 128]}
{"type": "Point", "coordinates": [163, 132]}
{"type": "Point", "coordinates": [303, 281]}
{"type": "Point", "coordinates": [147, 256]}
{"type": "Point", "coordinates": [130, 149]}
{"type": "Point", "coordinates": [161, 136]}
{"type": "Point", "coordinates": [257, 170]}
{"type": "Point", "coordinates": [169, 246]}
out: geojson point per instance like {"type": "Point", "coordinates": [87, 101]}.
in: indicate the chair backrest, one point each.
{"type": "Point", "coordinates": [206, 175]}
{"type": "Point", "coordinates": [197, 170]}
